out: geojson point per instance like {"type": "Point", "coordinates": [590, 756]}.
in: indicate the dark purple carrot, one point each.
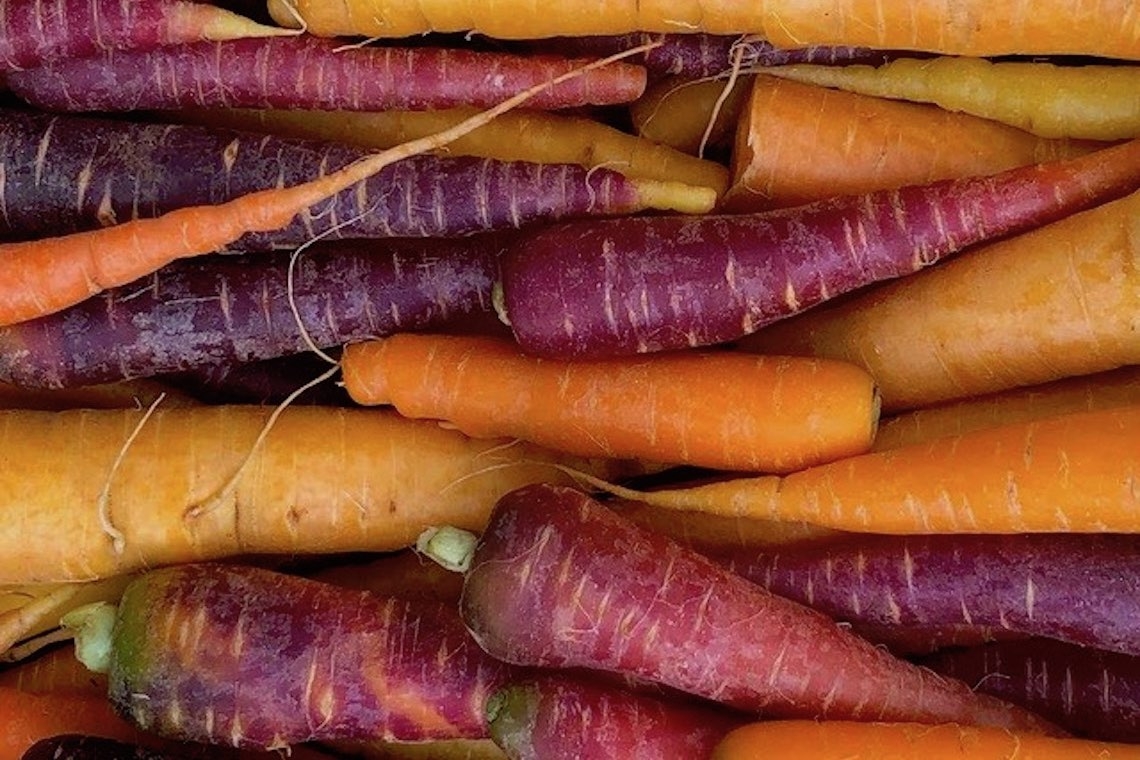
{"type": "Point", "coordinates": [257, 659]}
{"type": "Point", "coordinates": [69, 173]}
{"type": "Point", "coordinates": [77, 747]}
{"type": "Point", "coordinates": [558, 580]}
{"type": "Point", "coordinates": [34, 32]}
{"type": "Point", "coordinates": [608, 287]}
{"type": "Point", "coordinates": [264, 382]}
{"type": "Point", "coordinates": [558, 717]}
{"type": "Point", "coordinates": [905, 590]}
{"type": "Point", "coordinates": [315, 73]}
{"type": "Point", "coordinates": [700, 55]}
{"type": "Point", "coordinates": [1089, 692]}
{"type": "Point", "coordinates": [226, 310]}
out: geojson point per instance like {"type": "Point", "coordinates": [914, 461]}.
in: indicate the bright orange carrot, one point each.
{"type": "Point", "coordinates": [859, 143]}
{"type": "Point", "coordinates": [1072, 473]}
{"type": "Point", "coordinates": [717, 409]}
{"type": "Point", "coordinates": [1056, 302]}
{"type": "Point", "coordinates": [1103, 390]}
{"type": "Point", "coordinates": [841, 740]}
{"type": "Point", "coordinates": [43, 276]}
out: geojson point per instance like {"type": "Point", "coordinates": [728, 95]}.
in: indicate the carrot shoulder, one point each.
{"type": "Point", "coordinates": [716, 409]}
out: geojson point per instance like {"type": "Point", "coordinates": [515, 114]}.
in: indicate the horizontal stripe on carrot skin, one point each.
{"type": "Point", "coordinates": [716, 409]}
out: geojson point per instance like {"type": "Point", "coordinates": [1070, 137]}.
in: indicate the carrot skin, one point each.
{"type": "Point", "coordinates": [558, 580]}
{"type": "Point", "coordinates": [309, 72]}
{"type": "Point", "coordinates": [606, 287]}
{"type": "Point", "coordinates": [266, 382]}
{"type": "Point", "coordinates": [1089, 692]}
{"type": "Point", "coordinates": [313, 661]}
{"type": "Point", "coordinates": [891, 588]}
{"type": "Point", "coordinates": [564, 718]}
{"type": "Point", "coordinates": [223, 311]}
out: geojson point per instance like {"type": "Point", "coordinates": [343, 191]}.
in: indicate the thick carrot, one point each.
{"type": "Point", "coordinates": [690, 115]}
{"type": "Point", "coordinates": [33, 32]}
{"type": "Point", "coordinates": [1056, 302]}
{"type": "Point", "coordinates": [1103, 390]}
{"type": "Point", "coordinates": [709, 409]}
{"type": "Point", "coordinates": [1107, 28]}
{"type": "Point", "coordinates": [1072, 473]}
{"type": "Point", "coordinates": [309, 72]}
{"type": "Point", "coordinates": [859, 144]}
{"type": "Point", "coordinates": [43, 276]}
{"type": "Point", "coordinates": [838, 740]}
{"type": "Point", "coordinates": [1091, 102]}
{"type": "Point", "coordinates": [322, 480]}
{"type": "Point", "coordinates": [525, 135]}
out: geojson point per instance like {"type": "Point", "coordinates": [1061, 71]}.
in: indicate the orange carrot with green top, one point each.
{"type": "Point", "coordinates": [845, 740]}
{"type": "Point", "coordinates": [859, 144]}
{"type": "Point", "coordinates": [713, 409]}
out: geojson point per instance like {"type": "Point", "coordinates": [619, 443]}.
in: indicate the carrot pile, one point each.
{"type": "Point", "coordinates": [717, 285]}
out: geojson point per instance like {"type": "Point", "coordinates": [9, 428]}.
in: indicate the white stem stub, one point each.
{"type": "Point", "coordinates": [451, 547]}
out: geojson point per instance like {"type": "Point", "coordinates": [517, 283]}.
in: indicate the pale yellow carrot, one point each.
{"type": "Point", "coordinates": [690, 115]}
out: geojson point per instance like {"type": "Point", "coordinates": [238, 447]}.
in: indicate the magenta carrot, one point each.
{"type": "Point", "coordinates": [621, 286]}
{"type": "Point", "coordinates": [33, 32]}
{"type": "Point", "coordinates": [313, 73]}
{"type": "Point", "coordinates": [558, 580]}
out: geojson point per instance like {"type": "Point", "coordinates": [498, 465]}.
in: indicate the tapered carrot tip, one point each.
{"type": "Point", "coordinates": [511, 716]}
{"type": "Point", "coordinates": [675, 196]}
{"type": "Point", "coordinates": [213, 23]}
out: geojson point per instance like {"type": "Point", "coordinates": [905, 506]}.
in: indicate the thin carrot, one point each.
{"type": "Point", "coordinates": [1103, 390]}
{"type": "Point", "coordinates": [717, 409]}
{"type": "Point", "coordinates": [31, 610]}
{"type": "Point", "coordinates": [842, 740]}
{"type": "Point", "coordinates": [96, 493]}
{"type": "Point", "coordinates": [1056, 302]}
{"type": "Point", "coordinates": [44, 276]}
{"type": "Point", "coordinates": [1096, 102]}
{"type": "Point", "coordinates": [1072, 473]}
{"type": "Point", "coordinates": [859, 144]}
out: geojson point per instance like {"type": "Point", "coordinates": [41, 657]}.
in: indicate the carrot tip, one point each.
{"type": "Point", "coordinates": [675, 196]}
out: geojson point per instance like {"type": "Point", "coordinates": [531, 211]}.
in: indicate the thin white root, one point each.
{"type": "Point", "coordinates": [118, 540]}
{"type": "Point", "coordinates": [726, 91]}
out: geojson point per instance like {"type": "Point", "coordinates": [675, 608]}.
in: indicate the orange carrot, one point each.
{"type": "Point", "coordinates": [27, 718]}
{"type": "Point", "coordinates": [1072, 473]}
{"type": "Point", "coordinates": [717, 409]}
{"type": "Point", "coordinates": [44, 276]}
{"type": "Point", "coordinates": [843, 740]}
{"type": "Point", "coordinates": [1103, 390]}
{"type": "Point", "coordinates": [1056, 302]}
{"type": "Point", "coordinates": [56, 671]}
{"type": "Point", "coordinates": [859, 143]}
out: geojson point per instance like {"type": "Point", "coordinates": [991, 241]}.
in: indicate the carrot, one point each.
{"type": "Point", "coordinates": [56, 671]}
{"type": "Point", "coordinates": [974, 28]}
{"type": "Point", "coordinates": [1071, 473]}
{"type": "Point", "coordinates": [1056, 302]}
{"type": "Point", "coordinates": [43, 276]}
{"type": "Point", "coordinates": [717, 410]}
{"type": "Point", "coordinates": [134, 393]}
{"type": "Point", "coordinates": [859, 144]}
{"type": "Point", "coordinates": [1096, 102]}
{"type": "Point", "coordinates": [838, 740]}
{"type": "Point", "coordinates": [29, 613]}
{"type": "Point", "coordinates": [405, 573]}
{"type": "Point", "coordinates": [690, 115]}
{"type": "Point", "coordinates": [321, 481]}
{"type": "Point", "coordinates": [30, 717]}
{"type": "Point", "coordinates": [1103, 390]}
{"type": "Point", "coordinates": [526, 135]}
{"type": "Point", "coordinates": [441, 749]}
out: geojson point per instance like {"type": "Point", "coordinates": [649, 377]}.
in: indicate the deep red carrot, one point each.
{"type": "Point", "coordinates": [558, 580]}
{"type": "Point", "coordinates": [254, 658]}
{"type": "Point", "coordinates": [44, 276]}
{"type": "Point", "coordinates": [33, 32]}
{"type": "Point", "coordinates": [562, 717]}
{"type": "Point", "coordinates": [314, 73]}
{"type": "Point", "coordinates": [645, 284]}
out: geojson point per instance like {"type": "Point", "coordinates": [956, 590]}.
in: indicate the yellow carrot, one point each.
{"type": "Point", "coordinates": [690, 115]}
{"type": "Point", "coordinates": [1091, 102]}
{"type": "Point", "coordinates": [97, 493]}
{"type": "Point", "coordinates": [1072, 473]}
{"type": "Point", "coordinates": [721, 410]}
{"type": "Point", "coordinates": [1060, 301]}
{"type": "Point", "coordinates": [860, 143]}
{"type": "Point", "coordinates": [135, 393]}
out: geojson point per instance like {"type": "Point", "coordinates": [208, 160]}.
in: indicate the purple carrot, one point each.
{"type": "Point", "coordinates": [35, 32]}
{"type": "Point", "coordinates": [316, 73]}
{"type": "Point", "coordinates": [622, 286]}
{"type": "Point", "coordinates": [902, 590]}
{"type": "Point", "coordinates": [222, 310]}
{"type": "Point", "coordinates": [700, 55]}
{"type": "Point", "coordinates": [558, 580]}
{"type": "Point", "coordinates": [1089, 692]}
{"type": "Point", "coordinates": [560, 717]}
{"type": "Point", "coordinates": [257, 659]}
{"type": "Point", "coordinates": [267, 381]}
{"type": "Point", "coordinates": [67, 173]}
